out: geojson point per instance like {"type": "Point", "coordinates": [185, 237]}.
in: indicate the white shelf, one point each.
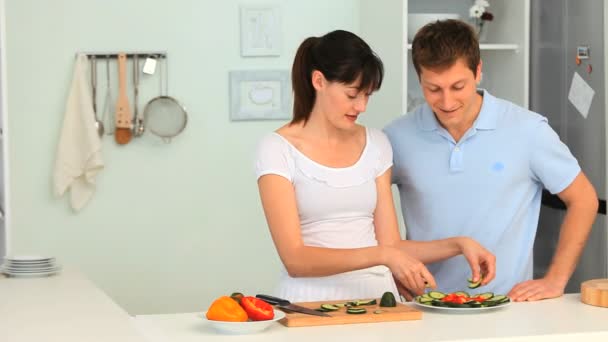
{"type": "Point", "coordinates": [513, 47]}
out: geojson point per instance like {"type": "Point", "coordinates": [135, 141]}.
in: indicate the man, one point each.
{"type": "Point", "coordinates": [469, 164]}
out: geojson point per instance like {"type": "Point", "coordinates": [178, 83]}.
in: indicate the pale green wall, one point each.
{"type": "Point", "coordinates": [172, 225]}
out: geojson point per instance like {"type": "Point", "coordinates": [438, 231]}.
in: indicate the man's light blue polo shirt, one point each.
{"type": "Point", "coordinates": [487, 186]}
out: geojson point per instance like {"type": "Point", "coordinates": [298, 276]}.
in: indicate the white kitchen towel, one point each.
{"type": "Point", "coordinates": [79, 157]}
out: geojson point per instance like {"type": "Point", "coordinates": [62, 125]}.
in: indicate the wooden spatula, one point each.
{"type": "Point", "coordinates": [122, 135]}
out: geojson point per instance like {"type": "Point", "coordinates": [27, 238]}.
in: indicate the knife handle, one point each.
{"type": "Point", "coordinates": [273, 300]}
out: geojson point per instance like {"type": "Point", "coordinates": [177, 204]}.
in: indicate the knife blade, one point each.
{"type": "Point", "coordinates": [285, 304]}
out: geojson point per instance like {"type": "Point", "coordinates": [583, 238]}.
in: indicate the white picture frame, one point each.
{"type": "Point", "coordinates": [260, 31]}
{"type": "Point", "coordinates": [260, 95]}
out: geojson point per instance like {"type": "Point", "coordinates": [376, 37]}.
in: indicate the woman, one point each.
{"type": "Point", "coordinates": [325, 185]}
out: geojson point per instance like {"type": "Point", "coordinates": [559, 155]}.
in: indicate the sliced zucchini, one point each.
{"type": "Point", "coordinates": [486, 295]}
{"type": "Point", "coordinates": [424, 300]}
{"type": "Point", "coordinates": [356, 311]}
{"type": "Point", "coordinates": [473, 304]}
{"type": "Point", "coordinates": [488, 303]}
{"type": "Point", "coordinates": [366, 302]}
{"type": "Point", "coordinates": [388, 300]}
{"type": "Point", "coordinates": [436, 294]}
{"type": "Point", "coordinates": [439, 303]}
{"type": "Point", "coordinates": [475, 284]}
{"type": "Point", "coordinates": [329, 307]}
{"type": "Point", "coordinates": [378, 311]}
{"type": "Point", "coordinates": [499, 298]}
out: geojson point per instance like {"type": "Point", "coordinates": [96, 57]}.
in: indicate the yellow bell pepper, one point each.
{"type": "Point", "coordinates": [226, 309]}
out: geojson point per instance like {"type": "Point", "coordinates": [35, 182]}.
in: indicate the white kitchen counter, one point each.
{"type": "Point", "coordinates": [65, 307]}
{"type": "Point", "coordinates": [561, 319]}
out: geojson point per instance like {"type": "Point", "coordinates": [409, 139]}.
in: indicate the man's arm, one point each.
{"type": "Point", "coordinates": [581, 208]}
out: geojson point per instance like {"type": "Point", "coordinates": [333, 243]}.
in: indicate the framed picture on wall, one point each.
{"type": "Point", "coordinates": [260, 95]}
{"type": "Point", "coordinates": [260, 31]}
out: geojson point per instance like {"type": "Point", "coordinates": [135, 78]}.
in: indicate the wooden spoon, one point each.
{"type": "Point", "coordinates": [122, 135]}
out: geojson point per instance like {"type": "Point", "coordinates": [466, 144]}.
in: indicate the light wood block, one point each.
{"type": "Point", "coordinates": [595, 292]}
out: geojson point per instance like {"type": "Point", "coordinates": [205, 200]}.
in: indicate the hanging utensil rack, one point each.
{"type": "Point", "coordinates": [113, 54]}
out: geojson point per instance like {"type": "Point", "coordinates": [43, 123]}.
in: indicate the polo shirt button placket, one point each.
{"type": "Point", "coordinates": [456, 160]}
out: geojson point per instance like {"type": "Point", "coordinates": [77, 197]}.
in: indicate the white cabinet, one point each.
{"type": "Point", "coordinates": [505, 52]}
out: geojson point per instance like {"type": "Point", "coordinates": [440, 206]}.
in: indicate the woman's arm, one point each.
{"type": "Point", "coordinates": [278, 200]}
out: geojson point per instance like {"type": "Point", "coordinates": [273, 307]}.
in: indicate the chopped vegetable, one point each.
{"type": "Point", "coordinates": [461, 299]}
{"type": "Point", "coordinates": [257, 309]}
{"type": "Point", "coordinates": [329, 307]}
{"type": "Point", "coordinates": [388, 300]}
{"type": "Point", "coordinates": [436, 294]}
{"type": "Point", "coordinates": [475, 284]}
{"type": "Point", "coordinates": [356, 311]}
{"type": "Point", "coordinates": [226, 309]}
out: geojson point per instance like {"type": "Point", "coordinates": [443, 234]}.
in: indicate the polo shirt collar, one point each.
{"type": "Point", "coordinates": [486, 120]}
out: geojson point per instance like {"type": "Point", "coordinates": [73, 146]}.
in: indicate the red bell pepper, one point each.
{"type": "Point", "coordinates": [257, 309]}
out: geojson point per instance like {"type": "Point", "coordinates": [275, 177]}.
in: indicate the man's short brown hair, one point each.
{"type": "Point", "coordinates": [440, 44]}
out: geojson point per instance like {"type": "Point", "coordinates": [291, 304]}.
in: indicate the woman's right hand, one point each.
{"type": "Point", "coordinates": [409, 271]}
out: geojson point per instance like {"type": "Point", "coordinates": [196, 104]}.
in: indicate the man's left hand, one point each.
{"type": "Point", "coordinates": [537, 289]}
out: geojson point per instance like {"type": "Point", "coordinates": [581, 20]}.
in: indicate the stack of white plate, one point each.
{"type": "Point", "coordinates": [29, 266]}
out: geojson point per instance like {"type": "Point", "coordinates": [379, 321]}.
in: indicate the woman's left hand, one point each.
{"type": "Point", "coordinates": [482, 261]}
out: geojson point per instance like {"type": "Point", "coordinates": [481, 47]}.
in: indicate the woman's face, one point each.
{"type": "Point", "coordinates": [340, 103]}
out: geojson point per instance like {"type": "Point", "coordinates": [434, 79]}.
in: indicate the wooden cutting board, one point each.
{"type": "Point", "coordinates": [401, 312]}
{"type": "Point", "coordinates": [595, 292]}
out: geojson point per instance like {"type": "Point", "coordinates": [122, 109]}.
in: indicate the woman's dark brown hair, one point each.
{"type": "Point", "coordinates": [341, 56]}
{"type": "Point", "coordinates": [440, 44]}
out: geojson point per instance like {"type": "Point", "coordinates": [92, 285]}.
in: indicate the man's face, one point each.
{"type": "Point", "coordinates": [452, 94]}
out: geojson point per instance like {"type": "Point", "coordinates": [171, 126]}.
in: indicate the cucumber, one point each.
{"type": "Point", "coordinates": [366, 302]}
{"type": "Point", "coordinates": [473, 304]}
{"type": "Point", "coordinates": [356, 311]}
{"type": "Point", "coordinates": [424, 300]}
{"type": "Point", "coordinates": [329, 307]}
{"type": "Point", "coordinates": [486, 295]}
{"type": "Point", "coordinates": [439, 303]}
{"type": "Point", "coordinates": [436, 294]}
{"type": "Point", "coordinates": [475, 284]}
{"type": "Point", "coordinates": [462, 293]}
{"type": "Point", "coordinates": [388, 300]}
{"type": "Point", "coordinates": [499, 298]}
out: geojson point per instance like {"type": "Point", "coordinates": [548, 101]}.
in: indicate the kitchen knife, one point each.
{"type": "Point", "coordinates": [285, 304]}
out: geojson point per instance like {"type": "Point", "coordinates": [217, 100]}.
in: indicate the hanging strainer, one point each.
{"type": "Point", "coordinates": [164, 116]}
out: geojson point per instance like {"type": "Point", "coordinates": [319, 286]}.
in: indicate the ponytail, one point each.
{"type": "Point", "coordinates": [301, 81]}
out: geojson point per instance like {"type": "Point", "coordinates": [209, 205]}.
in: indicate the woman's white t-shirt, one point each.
{"type": "Point", "coordinates": [336, 210]}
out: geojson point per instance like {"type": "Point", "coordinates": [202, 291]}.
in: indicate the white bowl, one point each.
{"type": "Point", "coordinates": [238, 328]}
{"type": "Point", "coordinates": [415, 21]}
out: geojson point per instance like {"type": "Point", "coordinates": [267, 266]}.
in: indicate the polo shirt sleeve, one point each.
{"type": "Point", "coordinates": [273, 157]}
{"type": "Point", "coordinates": [552, 164]}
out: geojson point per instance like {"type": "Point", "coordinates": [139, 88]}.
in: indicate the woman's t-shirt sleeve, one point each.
{"type": "Point", "coordinates": [273, 157]}
{"type": "Point", "coordinates": [385, 160]}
